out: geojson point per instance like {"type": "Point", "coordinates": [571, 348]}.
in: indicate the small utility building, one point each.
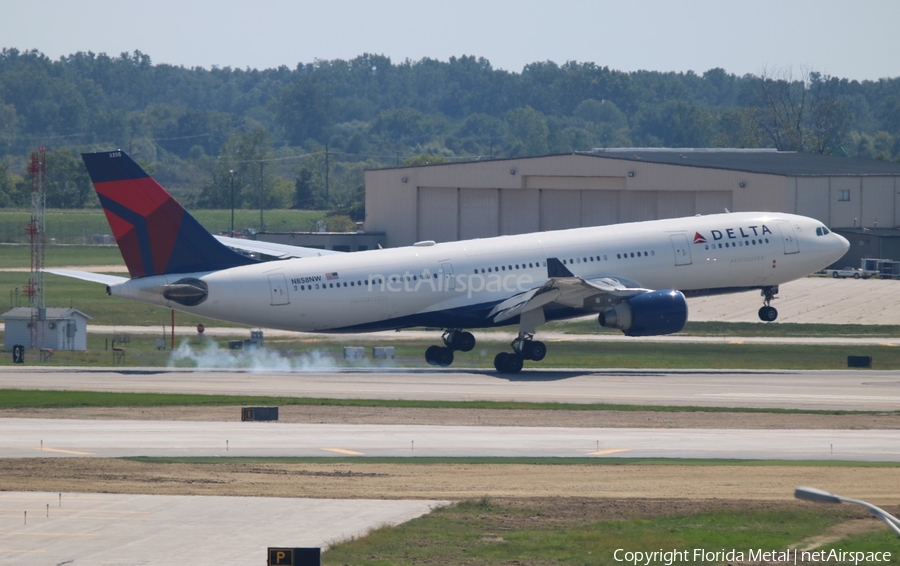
{"type": "Point", "coordinates": [57, 328]}
{"type": "Point", "coordinates": [478, 199]}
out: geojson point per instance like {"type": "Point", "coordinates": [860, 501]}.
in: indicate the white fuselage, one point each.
{"type": "Point", "coordinates": [454, 285]}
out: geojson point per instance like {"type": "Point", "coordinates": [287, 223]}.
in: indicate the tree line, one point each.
{"type": "Point", "coordinates": [302, 137]}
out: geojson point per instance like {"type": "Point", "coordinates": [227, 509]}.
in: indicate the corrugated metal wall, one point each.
{"type": "Point", "coordinates": [479, 213]}
{"type": "Point", "coordinates": [446, 214]}
{"type": "Point", "coordinates": [519, 211]}
{"type": "Point", "coordinates": [516, 196]}
{"type": "Point", "coordinates": [877, 202]}
{"type": "Point", "coordinates": [438, 213]}
{"type": "Point", "coordinates": [813, 198]}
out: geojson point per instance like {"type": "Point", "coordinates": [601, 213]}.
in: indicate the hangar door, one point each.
{"type": "Point", "coordinates": [560, 209]}
{"type": "Point", "coordinates": [479, 212]}
{"type": "Point", "coordinates": [438, 211]}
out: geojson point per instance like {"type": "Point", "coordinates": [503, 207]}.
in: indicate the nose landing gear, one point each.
{"type": "Point", "coordinates": [768, 313]}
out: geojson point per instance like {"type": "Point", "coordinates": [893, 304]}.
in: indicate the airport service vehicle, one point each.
{"type": "Point", "coordinates": [634, 277]}
{"type": "Point", "coordinates": [854, 272]}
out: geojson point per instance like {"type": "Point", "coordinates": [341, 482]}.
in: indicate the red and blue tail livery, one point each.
{"type": "Point", "coordinates": [156, 235]}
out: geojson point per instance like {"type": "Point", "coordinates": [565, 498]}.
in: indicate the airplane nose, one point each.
{"type": "Point", "coordinates": [845, 244]}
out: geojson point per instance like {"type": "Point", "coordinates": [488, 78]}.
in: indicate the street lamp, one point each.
{"type": "Point", "coordinates": [819, 496]}
{"type": "Point", "coordinates": [231, 172]}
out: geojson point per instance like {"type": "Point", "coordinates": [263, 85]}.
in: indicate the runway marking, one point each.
{"type": "Point", "coordinates": [799, 396]}
{"type": "Point", "coordinates": [21, 534]}
{"type": "Point", "coordinates": [736, 342]}
{"type": "Point", "coordinates": [342, 451]}
{"type": "Point", "coordinates": [608, 451]}
{"type": "Point", "coordinates": [45, 449]}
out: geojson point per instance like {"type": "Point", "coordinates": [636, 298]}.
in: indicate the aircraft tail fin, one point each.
{"type": "Point", "coordinates": [155, 234]}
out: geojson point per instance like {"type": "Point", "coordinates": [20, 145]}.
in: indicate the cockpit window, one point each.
{"type": "Point", "coordinates": [821, 231]}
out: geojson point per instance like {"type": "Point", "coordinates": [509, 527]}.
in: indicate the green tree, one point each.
{"type": "Point", "coordinates": [68, 184]}
{"type": "Point", "coordinates": [242, 164]}
{"type": "Point", "coordinates": [529, 128]}
{"type": "Point", "coordinates": [13, 191]}
{"type": "Point", "coordinates": [802, 114]}
{"type": "Point", "coordinates": [305, 109]}
{"type": "Point", "coordinates": [424, 159]}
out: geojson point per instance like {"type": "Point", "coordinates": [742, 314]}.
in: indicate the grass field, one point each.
{"type": "Point", "coordinates": [89, 226]}
{"type": "Point", "coordinates": [25, 398]}
{"type": "Point", "coordinates": [487, 532]}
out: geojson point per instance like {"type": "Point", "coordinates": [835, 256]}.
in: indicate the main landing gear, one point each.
{"type": "Point", "coordinates": [525, 347]}
{"type": "Point", "coordinates": [454, 340]}
{"type": "Point", "coordinates": [768, 313]}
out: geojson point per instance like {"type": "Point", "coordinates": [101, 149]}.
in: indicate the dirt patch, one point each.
{"type": "Point", "coordinates": [842, 530]}
{"type": "Point", "coordinates": [442, 481]}
{"type": "Point", "coordinates": [476, 417]}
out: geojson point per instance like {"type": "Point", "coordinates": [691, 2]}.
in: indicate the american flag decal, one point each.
{"type": "Point", "coordinates": [331, 276]}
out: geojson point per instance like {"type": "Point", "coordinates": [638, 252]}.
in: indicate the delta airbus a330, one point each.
{"type": "Point", "coordinates": [634, 277]}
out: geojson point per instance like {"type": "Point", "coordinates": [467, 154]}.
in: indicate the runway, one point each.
{"type": "Point", "coordinates": [165, 530]}
{"type": "Point", "coordinates": [32, 438]}
{"type": "Point", "coordinates": [48, 529]}
{"type": "Point", "coordinates": [851, 390]}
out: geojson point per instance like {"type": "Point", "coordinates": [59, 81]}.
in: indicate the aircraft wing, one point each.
{"type": "Point", "coordinates": [88, 276]}
{"type": "Point", "coordinates": [281, 251]}
{"type": "Point", "coordinates": [564, 288]}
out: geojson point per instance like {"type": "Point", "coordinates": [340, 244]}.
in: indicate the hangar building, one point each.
{"type": "Point", "coordinates": [480, 199]}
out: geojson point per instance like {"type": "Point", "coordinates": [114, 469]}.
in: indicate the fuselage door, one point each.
{"type": "Point", "coordinates": [278, 289]}
{"type": "Point", "coordinates": [682, 249]}
{"type": "Point", "coordinates": [449, 280]}
{"type": "Point", "coordinates": [791, 245]}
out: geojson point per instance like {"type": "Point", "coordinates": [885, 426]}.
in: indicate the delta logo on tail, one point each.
{"type": "Point", "coordinates": [734, 233]}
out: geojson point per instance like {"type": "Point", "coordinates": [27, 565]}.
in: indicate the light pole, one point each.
{"type": "Point", "coordinates": [819, 496]}
{"type": "Point", "coordinates": [231, 172]}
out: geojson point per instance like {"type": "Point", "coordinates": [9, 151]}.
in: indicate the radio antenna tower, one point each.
{"type": "Point", "coordinates": [35, 230]}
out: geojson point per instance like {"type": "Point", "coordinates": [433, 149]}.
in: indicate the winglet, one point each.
{"type": "Point", "coordinates": [555, 269]}
{"type": "Point", "coordinates": [155, 234]}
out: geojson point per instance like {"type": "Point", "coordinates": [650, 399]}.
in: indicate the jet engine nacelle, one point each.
{"type": "Point", "coordinates": [648, 314]}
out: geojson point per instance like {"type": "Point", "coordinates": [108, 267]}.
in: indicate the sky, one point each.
{"type": "Point", "coordinates": [854, 40]}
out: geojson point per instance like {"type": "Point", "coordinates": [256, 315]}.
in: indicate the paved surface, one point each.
{"type": "Point", "coordinates": [25, 438]}
{"type": "Point", "coordinates": [124, 530]}
{"type": "Point", "coordinates": [827, 390]}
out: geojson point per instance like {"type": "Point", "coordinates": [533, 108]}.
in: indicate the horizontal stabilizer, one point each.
{"type": "Point", "coordinates": [88, 276]}
{"type": "Point", "coordinates": [281, 251]}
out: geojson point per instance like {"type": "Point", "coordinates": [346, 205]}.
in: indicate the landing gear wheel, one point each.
{"type": "Point", "coordinates": [431, 355]}
{"type": "Point", "coordinates": [464, 342]}
{"type": "Point", "coordinates": [768, 314]}
{"type": "Point", "coordinates": [443, 356]}
{"type": "Point", "coordinates": [504, 362]}
{"type": "Point", "coordinates": [534, 350]}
